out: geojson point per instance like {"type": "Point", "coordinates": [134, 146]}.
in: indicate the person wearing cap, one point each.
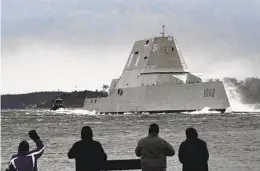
{"type": "Point", "coordinates": [89, 154]}
{"type": "Point", "coordinates": [153, 150]}
{"type": "Point", "coordinates": [193, 152]}
{"type": "Point", "coordinates": [26, 160]}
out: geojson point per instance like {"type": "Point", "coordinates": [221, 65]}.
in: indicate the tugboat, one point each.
{"type": "Point", "coordinates": [58, 103]}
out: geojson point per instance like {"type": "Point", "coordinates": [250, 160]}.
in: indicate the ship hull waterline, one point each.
{"type": "Point", "coordinates": [162, 98]}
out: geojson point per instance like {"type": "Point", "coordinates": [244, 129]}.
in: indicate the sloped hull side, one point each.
{"type": "Point", "coordinates": [158, 98]}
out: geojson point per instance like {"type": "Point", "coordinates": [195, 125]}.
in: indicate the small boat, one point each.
{"type": "Point", "coordinates": [58, 103]}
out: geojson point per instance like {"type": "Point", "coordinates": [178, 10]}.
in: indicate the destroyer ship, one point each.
{"type": "Point", "coordinates": [155, 79]}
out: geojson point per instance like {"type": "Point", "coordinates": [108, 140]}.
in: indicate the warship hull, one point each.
{"type": "Point", "coordinates": [163, 98]}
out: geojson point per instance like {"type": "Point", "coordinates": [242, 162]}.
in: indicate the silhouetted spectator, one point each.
{"type": "Point", "coordinates": [89, 154]}
{"type": "Point", "coordinates": [26, 160]}
{"type": "Point", "coordinates": [193, 152]}
{"type": "Point", "coordinates": [153, 150]}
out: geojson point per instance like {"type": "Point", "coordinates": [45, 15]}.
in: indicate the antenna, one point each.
{"type": "Point", "coordinates": [163, 32]}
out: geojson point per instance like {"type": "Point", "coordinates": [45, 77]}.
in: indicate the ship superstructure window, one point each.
{"type": "Point", "coordinates": [147, 41]}
{"type": "Point", "coordinates": [120, 92]}
{"type": "Point", "coordinates": [136, 53]}
{"type": "Point", "coordinates": [145, 57]}
{"type": "Point", "coordinates": [172, 49]}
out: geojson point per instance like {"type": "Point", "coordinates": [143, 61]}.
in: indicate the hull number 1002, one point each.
{"type": "Point", "coordinates": [209, 92]}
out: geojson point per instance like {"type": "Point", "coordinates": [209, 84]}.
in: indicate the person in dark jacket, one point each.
{"type": "Point", "coordinates": [89, 154]}
{"type": "Point", "coordinates": [26, 160]}
{"type": "Point", "coordinates": [193, 152]}
{"type": "Point", "coordinates": [153, 150]}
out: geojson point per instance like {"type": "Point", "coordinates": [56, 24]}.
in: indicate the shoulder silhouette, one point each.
{"type": "Point", "coordinates": [153, 150]}
{"type": "Point", "coordinates": [89, 154]}
{"type": "Point", "coordinates": [193, 152]}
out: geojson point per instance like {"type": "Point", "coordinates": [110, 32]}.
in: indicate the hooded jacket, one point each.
{"type": "Point", "coordinates": [193, 154]}
{"type": "Point", "coordinates": [27, 161]}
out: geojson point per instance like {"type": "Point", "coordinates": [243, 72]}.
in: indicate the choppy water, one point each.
{"type": "Point", "coordinates": [233, 139]}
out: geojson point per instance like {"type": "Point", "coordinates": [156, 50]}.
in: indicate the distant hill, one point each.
{"type": "Point", "coordinates": [45, 99]}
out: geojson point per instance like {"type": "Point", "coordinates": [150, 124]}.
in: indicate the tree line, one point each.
{"type": "Point", "coordinates": [73, 99]}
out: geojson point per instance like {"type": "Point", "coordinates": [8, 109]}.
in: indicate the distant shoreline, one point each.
{"type": "Point", "coordinates": [44, 99]}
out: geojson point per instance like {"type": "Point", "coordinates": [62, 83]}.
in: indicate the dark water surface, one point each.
{"type": "Point", "coordinates": [233, 139]}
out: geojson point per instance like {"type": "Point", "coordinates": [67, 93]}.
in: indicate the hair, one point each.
{"type": "Point", "coordinates": [86, 133]}
{"type": "Point", "coordinates": [191, 133]}
{"type": "Point", "coordinates": [154, 129]}
{"type": "Point", "coordinates": [23, 146]}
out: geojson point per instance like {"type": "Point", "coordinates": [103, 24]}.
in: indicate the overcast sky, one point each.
{"type": "Point", "coordinates": [81, 44]}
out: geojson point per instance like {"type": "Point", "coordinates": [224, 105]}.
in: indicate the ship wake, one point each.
{"type": "Point", "coordinates": [74, 111]}
{"type": "Point", "coordinates": [205, 110]}
{"type": "Point", "coordinates": [236, 102]}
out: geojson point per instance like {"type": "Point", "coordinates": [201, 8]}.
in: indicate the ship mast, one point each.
{"type": "Point", "coordinates": [163, 31]}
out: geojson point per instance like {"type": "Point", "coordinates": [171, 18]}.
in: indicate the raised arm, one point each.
{"type": "Point", "coordinates": [39, 145]}
{"type": "Point", "coordinates": [39, 149]}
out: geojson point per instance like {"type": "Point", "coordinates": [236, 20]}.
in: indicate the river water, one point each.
{"type": "Point", "coordinates": [233, 139]}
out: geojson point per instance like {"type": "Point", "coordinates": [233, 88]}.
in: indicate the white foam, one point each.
{"type": "Point", "coordinates": [75, 111]}
{"type": "Point", "coordinates": [235, 100]}
{"type": "Point", "coordinates": [205, 110]}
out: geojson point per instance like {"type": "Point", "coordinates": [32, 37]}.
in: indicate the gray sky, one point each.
{"type": "Point", "coordinates": [81, 44]}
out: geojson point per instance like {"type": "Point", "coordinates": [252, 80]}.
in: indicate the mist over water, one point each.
{"type": "Point", "coordinates": [235, 100]}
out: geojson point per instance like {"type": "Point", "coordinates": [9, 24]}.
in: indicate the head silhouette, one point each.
{"type": "Point", "coordinates": [86, 133]}
{"type": "Point", "coordinates": [23, 147]}
{"type": "Point", "coordinates": [154, 129]}
{"type": "Point", "coordinates": [191, 133]}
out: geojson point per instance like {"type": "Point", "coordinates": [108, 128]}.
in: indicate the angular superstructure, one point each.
{"type": "Point", "coordinates": [155, 79]}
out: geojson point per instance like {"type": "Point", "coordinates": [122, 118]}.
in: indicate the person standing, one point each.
{"type": "Point", "coordinates": [153, 150]}
{"type": "Point", "coordinates": [26, 160]}
{"type": "Point", "coordinates": [193, 152]}
{"type": "Point", "coordinates": [89, 154]}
